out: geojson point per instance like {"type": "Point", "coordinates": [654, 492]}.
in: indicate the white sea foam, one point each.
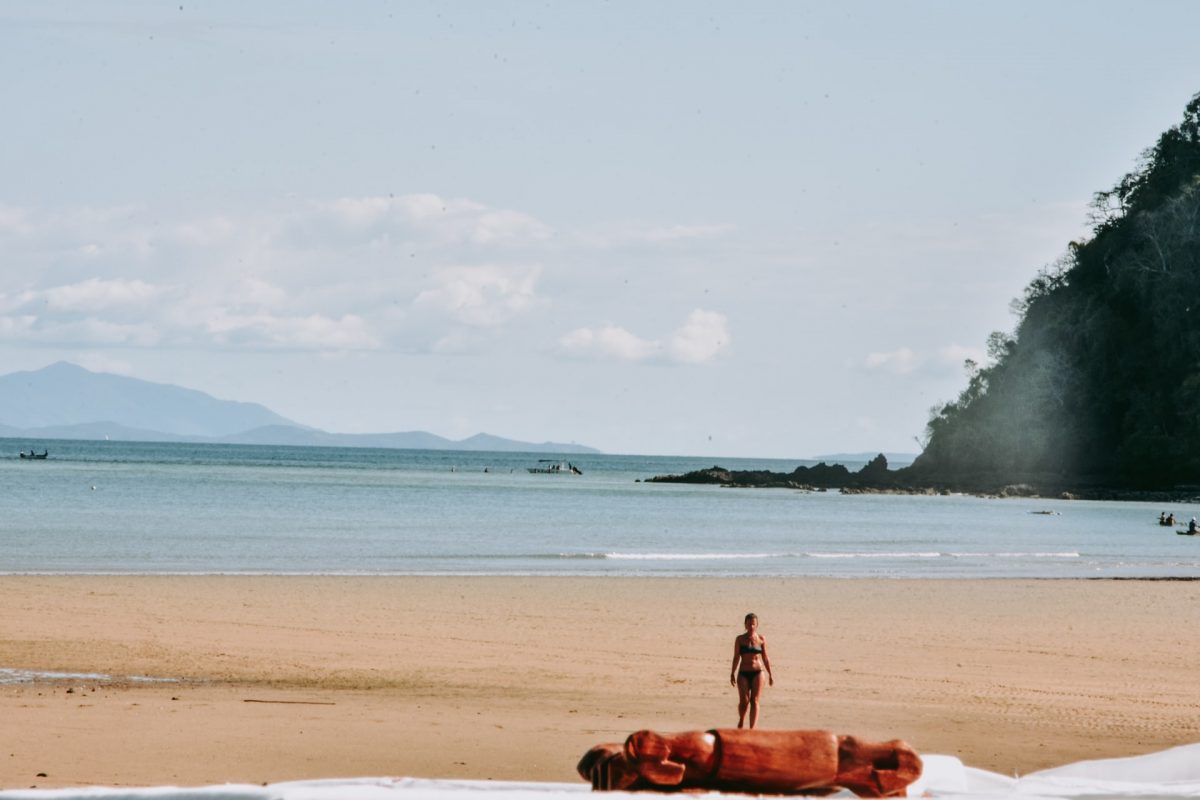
{"type": "Point", "coordinates": [921, 554]}
{"type": "Point", "coordinates": [690, 556]}
{"type": "Point", "coordinates": [833, 554]}
{"type": "Point", "coordinates": [1068, 554]}
{"type": "Point", "coordinates": [10, 676]}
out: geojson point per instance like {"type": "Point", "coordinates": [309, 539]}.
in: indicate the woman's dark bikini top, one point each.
{"type": "Point", "coordinates": [747, 650]}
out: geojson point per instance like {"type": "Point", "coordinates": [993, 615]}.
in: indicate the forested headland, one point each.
{"type": "Point", "coordinates": [1099, 383]}
{"type": "Point", "coordinates": [1097, 389]}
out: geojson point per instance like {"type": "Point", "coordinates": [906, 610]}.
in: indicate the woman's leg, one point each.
{"type": "Point", "coordinates": [754, 689]}
{"type": "Point", "coordinates": [743, 686]}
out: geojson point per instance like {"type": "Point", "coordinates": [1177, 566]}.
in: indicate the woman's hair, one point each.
{"type": "Point", "coordinates": [751, 616]}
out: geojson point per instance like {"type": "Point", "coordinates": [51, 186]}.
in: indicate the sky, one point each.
{"type": "Point", "coordinates": [773, 229]}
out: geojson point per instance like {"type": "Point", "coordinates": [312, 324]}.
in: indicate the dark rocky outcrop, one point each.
{"type": "Point", "coordinates": [876, 478]}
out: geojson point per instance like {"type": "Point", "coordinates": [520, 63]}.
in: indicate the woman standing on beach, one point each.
{"type": "Point", "coordinates": [749, 661]}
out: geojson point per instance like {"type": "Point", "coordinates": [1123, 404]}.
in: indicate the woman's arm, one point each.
{"type": "Point", "coordinates": [767, 661]}
{"type": "Point", "coordinates": [737, 656]}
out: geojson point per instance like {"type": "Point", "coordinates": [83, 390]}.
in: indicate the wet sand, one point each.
{"type": "Point", "coordinates": [288, 678]}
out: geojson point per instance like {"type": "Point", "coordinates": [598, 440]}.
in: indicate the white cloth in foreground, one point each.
{"type": "Point", "coordinates": [1167, 774]}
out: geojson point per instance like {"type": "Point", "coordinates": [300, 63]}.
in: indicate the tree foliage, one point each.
{"type": "Point", "coordinates": [1100, 382]}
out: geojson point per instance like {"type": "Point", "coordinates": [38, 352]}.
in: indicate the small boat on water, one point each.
{"type": "Point", "coordinates": [550, 466]}
{"type": "Point", "coordinates": [42, 456]}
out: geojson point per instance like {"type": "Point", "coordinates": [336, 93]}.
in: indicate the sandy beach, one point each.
{"type": "Point", "coordinates": [282, 678]}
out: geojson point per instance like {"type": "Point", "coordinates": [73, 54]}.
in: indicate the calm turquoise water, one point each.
{"type": "Point", "coordinates": [116, 507]}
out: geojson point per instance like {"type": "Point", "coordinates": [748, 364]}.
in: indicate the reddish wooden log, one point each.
{"type": "Point", "coordinates": [607, 768]}
{"type": "Point", "coordinates": [677, 759]}
{"type": "Point", "coordinates": [755, 761]}
{"type": "Point", "coordinates": [877, 769]}
{"type": "Point", "coordinates": [781, 762]}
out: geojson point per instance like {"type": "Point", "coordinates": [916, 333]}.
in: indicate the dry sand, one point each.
{"type": "Point", "coordinates": [282, 678]}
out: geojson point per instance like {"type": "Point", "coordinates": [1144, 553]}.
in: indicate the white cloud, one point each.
{"type": "Point", "coordinates": [953, 355]}
{"type": "Point", "coordinates": [703, 336]}
{"type": "Point", "coordinates": [94, 311]}
{"type": "Point", "coordinates": [410, 272]}
{"type": "Point", "coordinates": [901, 361]}
{"type": "Point", "coordinates": [945, 360]}
{"type": "Point", "coordinates": [314, 331]}
{"type": "Point", "coordinates": [360, 212]}
{"type": "Point", "coordinates": [482, 296]}
{"type": "Point", "coordinates": [204, 232]}
{"type": "Point", "coordinates": [134, 313]}
{"type": "Point", "coordinates": [88, 330]}
{"type": "Point", "coordinates": [16, 301]}
{"type": "Point", "coordinates": [80, 232]}
{"type": "Point", "coordinates": [15, 221]}
{"type": "Point", "coordinates": [96, 294]}
{"type": "Point", "coordinates": [608, 342]}
{"type": "Point", "coordinates": [492, 227]}
{"type": "Point", "coordinates": [460, 341]}
{"type": "Point", "coordinates": [255, 292]}
{"type": "Point", "coordinates": [445, 220]}
{"type": "Point", "coordinates": [17, 326]}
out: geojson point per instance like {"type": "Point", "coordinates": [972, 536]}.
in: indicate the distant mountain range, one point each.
{"type": "Point", "coordinates": [65, 401]}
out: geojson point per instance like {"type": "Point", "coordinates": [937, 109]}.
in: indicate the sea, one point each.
{"type": "Point", "coordinates": [102, 508]}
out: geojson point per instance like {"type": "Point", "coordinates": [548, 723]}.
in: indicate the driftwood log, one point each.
{"type": "Point", "coordinates": [753, 761]}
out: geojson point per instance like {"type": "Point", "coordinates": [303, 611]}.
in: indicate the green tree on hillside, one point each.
{"type": "Point", "coordinates": [1100, 382]}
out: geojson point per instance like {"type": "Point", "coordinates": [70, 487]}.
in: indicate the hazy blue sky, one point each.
{"type": "Point", "coordinates": [767, 229]}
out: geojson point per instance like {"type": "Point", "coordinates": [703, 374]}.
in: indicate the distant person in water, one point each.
{"type": "Point", "coordinates": [750, 660]}
{"type": "Point", "coordinates": [1192, 526]}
